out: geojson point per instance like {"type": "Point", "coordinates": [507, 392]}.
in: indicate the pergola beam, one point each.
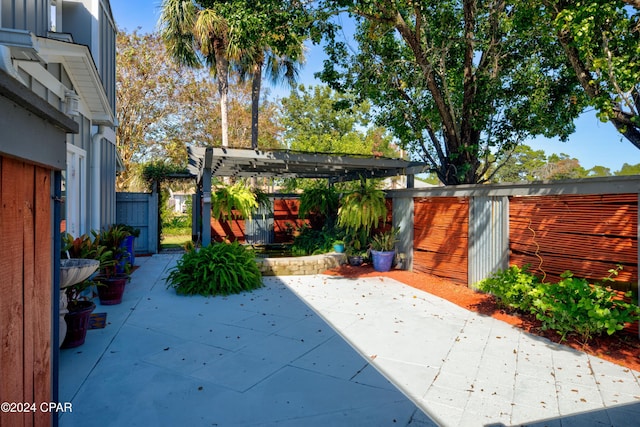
{"type": "Point", "coordinates": [207, 162]}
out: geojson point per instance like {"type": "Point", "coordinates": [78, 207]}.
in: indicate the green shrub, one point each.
{"type": "Point", "coordinates": [313, 242]}
{"type": "Point", "coordinates": [574, 306]}
{"type": "Point", "coordinates": [571, 306]}
{"type": "Point", "coordinates": [218, 269]}
{"type": "Point", "coordinates": [512, 287]}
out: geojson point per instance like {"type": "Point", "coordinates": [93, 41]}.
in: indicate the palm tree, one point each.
{"type": "Point", "coordinates": [275, 67]}
{"type": "Point", "coordinates": [194, 35]}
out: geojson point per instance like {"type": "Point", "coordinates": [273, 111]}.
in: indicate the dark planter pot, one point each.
{"type": "Point", "coordinates": [111, 289]}
{"type": "Point", "coordinates": [355, 260]}
{"type": "Point", "coordinates": [77, 324]}
{"type": "Point", "coordinates": [382, 260]}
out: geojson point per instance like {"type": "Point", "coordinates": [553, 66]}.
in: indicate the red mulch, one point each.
{"type": "Point", "coordinates": [622, 348]}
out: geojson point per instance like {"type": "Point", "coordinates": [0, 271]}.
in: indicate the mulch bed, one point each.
{"type": "Point", "coordinates": [622, 348]}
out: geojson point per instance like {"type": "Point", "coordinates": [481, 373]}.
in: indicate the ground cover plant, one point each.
{"type": "Point", "coordinates": [217, 269]}
{"type": "Point", "coordinates": [570, 306]}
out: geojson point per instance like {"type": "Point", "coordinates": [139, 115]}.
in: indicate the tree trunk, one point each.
{"type": "Point", "coordinates": [255, 103]}
{"type": "Point", "coordinates": [222, 71]}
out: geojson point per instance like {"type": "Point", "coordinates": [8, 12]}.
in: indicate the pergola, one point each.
{"type": "Point", "coordinates": [206, 162]}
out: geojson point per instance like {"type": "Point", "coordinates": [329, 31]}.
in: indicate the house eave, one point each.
{"type": "Point", "coordinates": [83, 73]}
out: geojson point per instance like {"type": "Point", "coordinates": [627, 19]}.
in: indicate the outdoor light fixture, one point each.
{"type": "Point", "coordinates": [72, 102]}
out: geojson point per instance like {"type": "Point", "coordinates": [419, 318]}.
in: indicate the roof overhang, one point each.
{"type": "Point", "coordinates": [245, 163]}
{"type": "Point", "coordinates": [83, 73]}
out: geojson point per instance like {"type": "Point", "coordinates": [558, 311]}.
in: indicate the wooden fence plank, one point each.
{"type": "Point", "coordinates": [11, 286]}
{"type": "Point", "coordinates": [587, 234]}
{"type": "Point", "coordinates": [441, 237]}
{"type": "Point", "coordinates": [26, 193]}
{"type": "Point", "coordinates": [42, 287]}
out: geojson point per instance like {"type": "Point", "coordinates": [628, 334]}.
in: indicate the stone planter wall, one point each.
{"type": "Point", "coordinates": [305, 265]}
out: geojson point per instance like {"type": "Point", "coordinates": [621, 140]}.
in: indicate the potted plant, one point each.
{"type": "Point", "coordinates": [338, 246]}
{"type": "Point", "coordinates": [79, 309]}
{"type": "Point", "coordinates": [360, 211]}
{"type": "Point", "coordinates": [129, 241]}
{"type": "Point", "coordinates": [383, 249]}
{"type": "Point", "coordinates": [114, 266]}
{"type": "Point", "coordinates": [79, 260]}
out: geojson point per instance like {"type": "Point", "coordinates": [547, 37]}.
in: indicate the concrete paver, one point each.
{"type": "Point", "coordinates": [323, 350]}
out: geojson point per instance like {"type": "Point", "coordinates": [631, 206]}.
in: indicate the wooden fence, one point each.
{"type": "Point", "coordinates": [586, 226]}
{"type": "Point", "coordinates": [25, 286]}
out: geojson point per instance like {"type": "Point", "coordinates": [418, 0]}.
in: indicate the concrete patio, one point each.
{"type": "Point", "coordinates": [323, 350]}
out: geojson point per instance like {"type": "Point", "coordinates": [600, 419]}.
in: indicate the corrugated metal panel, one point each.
{"type": "Point", "coordinates": [404, 220]}
{"type": "Point", "coordinates": [260, 227]}
{"type": "Point", "coordinates": [488, 236]}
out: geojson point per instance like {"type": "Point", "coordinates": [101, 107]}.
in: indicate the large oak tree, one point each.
{"type": "Point", "coordinates": [459, 82]}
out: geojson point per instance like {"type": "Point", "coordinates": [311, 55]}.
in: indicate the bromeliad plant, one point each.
{"type": "Point", "coordinates": [385, 241]}
{"type": "Point", "coordinates": [217, 269]}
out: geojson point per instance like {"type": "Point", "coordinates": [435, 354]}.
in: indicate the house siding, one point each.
{"type": "Point", "coordinates": [30, 15]}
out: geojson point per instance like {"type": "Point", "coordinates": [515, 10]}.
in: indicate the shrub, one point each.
{"type": "Point", "coordinates": [218, 269]}
{"type": "Point", "coordinates": [574, 306]}
{"type": "Point", "coordinates": [571, 306]}
{"type": "Point", "coordinates": [313, 242]}
{"type": "Point", "coordinates": [512, 287]}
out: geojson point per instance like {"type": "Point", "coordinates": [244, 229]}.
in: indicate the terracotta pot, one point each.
{"type": "Point", "coordinates": [111, 289]}
{"type": "Point", "coordinates": [77, 320]}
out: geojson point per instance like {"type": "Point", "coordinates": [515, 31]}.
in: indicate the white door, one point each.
{"type": "Point", "coordinates": [73, 188]}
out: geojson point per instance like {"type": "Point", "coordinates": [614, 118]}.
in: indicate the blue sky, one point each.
{"type": "Point", "coordinates": [593, 143]}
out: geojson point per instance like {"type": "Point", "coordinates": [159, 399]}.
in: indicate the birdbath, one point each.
{"type": "Point", "coordinates": [72, 271]}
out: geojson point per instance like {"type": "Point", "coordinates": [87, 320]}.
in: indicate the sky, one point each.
{"type": "Point", "coordinates": [593, 143]}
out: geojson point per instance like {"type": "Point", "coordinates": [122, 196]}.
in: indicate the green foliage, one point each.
{"type": "Point", "coordinates": [314, 122]}
{"type": "Point", "coordinates": [386, 240]}
{"type": "Point", "coordinates": [361, 210]}
{"type": "Point", "coordinates": [313, 242]}
{"type": "Point", "coordinates": [115, 255]}
{"type": "Point", "coordinates": [131, 230]}
{"type": "Point", "coordinates": [236, 197]}
{"type": "Point", "coordinates": [160, 171]}
{"type": "Point", "coordinates": [574, 306]}
{"type": "Point", "coordinates": [82, 247]}
{"type": "Point", "coordinates": [217, 269]}
{"type": "Point", "coordinates": [319, 200]}
{"type": "Point", "coordinates": [628, 169]}
{"type": "Point", "coordinates": [601, 38]}
{"type": "Point", "coordinates": [511, 287]}
{"type": "Point", "coordinates": [571, 306]}
{"type": "Point", "coordinates": [461, 88]}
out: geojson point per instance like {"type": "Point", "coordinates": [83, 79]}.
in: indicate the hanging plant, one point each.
{"type": "Point", "coordinates": [237, 197]}
{"type": "Point", "coordinates": [362, 209]}
{"type": "Point", "coordinates": [321, 201]}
